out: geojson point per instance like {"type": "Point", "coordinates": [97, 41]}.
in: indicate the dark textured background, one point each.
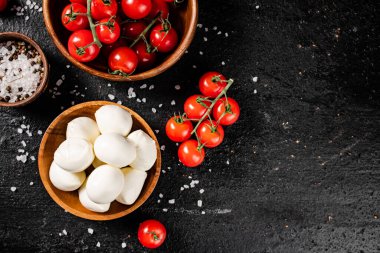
{"type": "Point", "coordinates": [304, 169]}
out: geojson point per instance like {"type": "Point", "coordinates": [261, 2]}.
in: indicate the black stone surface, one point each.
{"type": "Point", "coordinates": [299, 172]}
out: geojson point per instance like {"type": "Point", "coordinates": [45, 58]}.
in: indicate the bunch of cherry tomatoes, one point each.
{"type": "Point", "coordinates": [210, 111]}
{"type": "Point", "coordinates": [129, 33]}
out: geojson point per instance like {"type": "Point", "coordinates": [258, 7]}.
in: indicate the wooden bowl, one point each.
{"type": "Point", "coordinates": [5, 36]}
{"type": "Point", "coordinates": [184, 20]}
{"type": "Point", "coordinates": [56, 134]}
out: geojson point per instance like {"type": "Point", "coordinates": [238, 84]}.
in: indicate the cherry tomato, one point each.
{"type": "Point", "coordinates": [3, 5]}
{"type": "Point", "coordinates": [77, 41]}
{"type": "Point", "coordinates": [195, 108]}
{"type": "Point", "coordinates": [101, 9]}
{"type": "Point", "coordinates": [71, 21]}
{"type": "Point", "coordinates": [178, 129]}
{"type": "Point", "coordinates": [189, 154]}
{"type": "Point", "coordinates": [83, 2]}
{"type": "Point", "coordinates": [151, 234]}
{"type": "Point", "coordinates": [157, 6]}
{"type": "Point", "coordinates": [109, 32]}
{"type": "Point", "coordinates": [211, 84]}
{"type": "Point", "coordinates": [107, 49]}
{"type": "Point", "coordinates": [136, 9]}
{"type": "Point", "coordinates": [164, 40]}
{"type": "Point", "coordinates": [226, 112]}
{"type": "Point", "coordinates": [123, 59]}
{"type": "Point", "coordinates": [133, 29]}
{"type": "Point", "coordinates": [210, 134]}
{"type": "Point", "coordinates": [146, 59]}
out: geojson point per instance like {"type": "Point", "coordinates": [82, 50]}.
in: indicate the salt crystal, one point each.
{"type": "Point", "coordinates": [199, 25]}
{"type": "Point", "coordinates": [23, 126]}
{"type": "Point", "coordinates": [215, 28]}
{"type": "Point", "coordinates": [194, 66]}
{"type": "Point", "coordinates": [257, 7]}
{"type": "Point", "coordinates": [205, 39]}
{"type": "Point", "coordinates": [201, 191]}
{"type": "Point", "coordinates": [160, 195]}
{"type": "Point", "coordinates": [254, 79]}
{"type": "Point", "coordinates": [67, 66]}
{"type": "Point", "coordinates": [203, 212]}
{"type": "Point", "coordinates": [157, 131]}
{"type": "Point", "coordinates": [159, 201]}
{"type": "Point", "coordinates": [160, 105]}
{"type": "Point", "coordinates": [219, 33]}
{"type": "Point", "coordinates": [226, 34]}
{"type": "Point", "coordinates": [131, 93]}
{"type": "Point", "coordinates": [143, 86]}
{"type": "Point", "coordinates": [177, 87]}
{"type": "Point", "coordinates": [171, 201]}
{"type": "Point", "coordinates": [206, 29]}
{"type": "Point", "coordinates": [199, 203]}
{"type": "Point", "coordinates": [123, 245]}
{"type": "Point", "coordinates": [40, 9]}
{"type": "Point", "coordinates": [90, 230]}
{"type": "Point", "coordinates": [26, 18]}
{"type": "Point", "coordinates": [32, 158]}
{"type": "Point", "coordinates": [228, 162]}
{"type": "Point", "coordinates": [154, 110]}
{"type": "Point", "coordinates": [111, 97]}
{"type": "Point", "coordinates": [98, 245]}
{"type": "Point", "coordinates": [13, 188]}
{"type": "Point", "coordinates": [20, 150]}
{"type": "Point", "coordinates": [173, 102]}
{"type": "Point", "coordinates": [254, 91]}
{"type": "Point", "coordinates": [151, 87]}
{"type": "Point", "coordinates": [223, 63]}
{"type": "Point", "coordinates": [109, 85]}
{"type": "Point", "coordinates": [165, 210]}
{"type": "Point", "coordinates": [181, 188]}
{"type": "Point", "coordinates": [59, 82]}
{"type": "Point", "coordinates": [163, 147]}
{"type": "Point", "coordinates": [143, 100]}
{"type": "Point", "coordinates": [200, 52]}
{"type": "Point", "coordinates": [186, 186]}
{"type": "Point", "coordinates": [31, 183]}
{"type": "Point", "coordinates": [138, 100]}
{"type": "Point", "coordinates": [19, 130]}
{"type": "Point", "coordinates": [23, 143]}
{"type": "Point", "coordinates": [64, 232]}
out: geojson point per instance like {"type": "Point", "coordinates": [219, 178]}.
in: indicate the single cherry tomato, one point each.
{"type": "Point", "coordinates": [190, 154]}
{"type": "Point", "coordinates": [101, 9]}
{"type": "Point", "coordinates": [195, 106]}
{"type": "Point", "coordinates": [178, 129]}
{"type": "Point", "coordinates": [151, 234]}
{"type": "Point", "coordinates": [211, 84]}
{"type": "Point", "coordinates": [136, 9]}
{"type": "Point", "coordinates": [123, 60]}
{"type": "Point", "coordinates": [163, 38]}
{"type": "Point", "coordinates": [3, 5]}
{"type": "Point", "coordinates": [107, 49]}
{"type": "Point", "coordinates": [108, 31]}
{"type": "Point", "coordinates": [70, 18]}
{"type": "Point", "coordinates": [78, 46]}
{"type": "Point", "coordinates": [157, 6]}
{"type": "Point", "coordinates": [133, 29]}
{"type": "Point", "coordinates": [226, 111]}
{"type": "Point", "coordinates": [210, 134]}
{"type": "Point", "coordinates": [83, 2]}
{"type": "Point", "coordinates": [146, 57]}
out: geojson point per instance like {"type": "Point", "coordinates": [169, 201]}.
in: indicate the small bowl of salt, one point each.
{"type": "Point", "coordinates": [23, 70]}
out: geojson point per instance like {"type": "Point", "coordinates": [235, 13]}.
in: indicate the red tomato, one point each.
{"type": "Point", "coordinates": [3, 5]}
{"type": "Point", "coordinates": [211, 84]}
{"type": "Point", "coordinates": [178, 129]}
{"type": "Point", "coordinates": [123, 59]}
{"type": "Point", "coordinates": [157, 6]}
{"type": "Point", "coordinates": [151, 234]}
{"type": "Point", "coordinates": [77, 41]}
{"type": "Point", "coordinates": [164, 41]}
{"type": "Point", "coordinates": [103, 9]}
{"type": "Point", "coordinates": [195, 108]}
{"type": "Point", "coordinates": [210, 134]}
{"type": "Point", "coordinates": [107, 49]}
{"type": "Point", "coordinates": [136, 9]}
{"type": "Point", "coordinates": [71, 21]}
{"type": "Point", "coordinates": [133, 29]}
{"type": "Point", "coordinates": [190, 154]}
{"type": "Point", "coordinates": [146, 59]}
{"type": "Point", "coordinates": [226, 112]}
{"type": "Point", "coordinates": [84, 2]}
{"type": "Point", "coordinates": [109, 32]}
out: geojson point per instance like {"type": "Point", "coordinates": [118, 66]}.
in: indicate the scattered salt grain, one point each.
{"type": "Point", "coordinates": [123, 245]}
{"type": "Point", "coordinates": [228, 162]}
{"type": "Point", "coordinates": [64, 232]}
{"type": "Point", "coordinates": [20, 150]}
{"type": "Point", "coordinates": [206, 29]}
{"type": "Point", "coordinates": [23, 126]}
{"type": "Point", "coordinates": [223, 63]}
{"type": "Point", "coordinates": [182, 189]}
{"type": "Point", "coordinates": [158, 201]}
{"type": "Point", "coordinates": [177, 87]}
{"type": "Point", "coordinates": [215, 28]}
{"type": "Point", "coordinates": [151, 87]}
{"type": "Point", "coordinates": [67, 66]}
{"type": "Point", "coordinates": [31, 183]}
{"type": "Point", "coordinates": [160, 105]}
{"type": "Point", "coordinates": [59, 82]}
{"type": "Point", "coordinates": [186, 186]}
{"type": "Point", "coordinates": [111, 97]}
{"type": "Point", "coordinates": [98, 245]}
{"type": "Point", "coordinates": [257, 7]}
{"type": "Point", "coordinates": [23, 143]}
{"type": "Point", "coordinates": [143, 86]}
{"type": "Point", "coordinates": [205, 39]}
{"type": "Point", "coordinates": [201, 191]}
{"type": "Point", "coordinates": [163, 147]}
{"type": "Point", "coordinates": [154, 110]}
{"type": "Point", "coordinates": [119, 102]}
{"type": "Point", "coordinates": [32, 158]}
{"type": "Point", "coordinates": [254, 79]}
{"type": "Point", "coordinates": [200, 52]}
{"type": "Point", "coordinates": [254, 91]}
{"type": "Point", "coordinates": [199, 203]}
{"type": "Point", "coordinates": [13, 188]}
{"type": "Point", "coordinates": [143, 100]}
{"type": "Point", "coordinates": [199, 25]}
{"type": "Point", "coordinates": [19, 130]}
{"type": "Point", "coordinates": [165, 210]}
{"type": "Point", "coordinates": [171, 201]}
{"type": "Point", "coordinates": [219, 33]}
{"type": "Point", "coordinates": [39, 132]}
{"type": "Point", "coordinates": [203, 212]}
{"type": "Point", "coordinates": [173, 102]}
{"type": "Point", "coordinates": [194, 66]}
{"type": "Point", "coordinates": [226, 34]}
{"type": "Point", "coordinates": [131, 93]}
{"type": "Point", "coordinates": [160, 195]}
{"type": "Point", "coordinates": [90, 230]}
{"type": "Point", "coordinates": [157, 131]}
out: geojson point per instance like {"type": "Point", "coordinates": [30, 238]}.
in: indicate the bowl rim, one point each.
{"type": "Point", "coordinates": [44, 82]}
{"type": "Point", "coordinates": [95, 215]}
{"type": "Point", "coordinates": [169, 62]}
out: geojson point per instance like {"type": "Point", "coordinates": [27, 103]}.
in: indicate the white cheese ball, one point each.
{"type": "Point", "coordinates": [96, 163]}
{"type": "Point", "coordinates": [104, 184]}
{"type": "Point", "coordinates": [83, 128]}
{"type": "Point", "coordinates": [74, 155]}
{"type": "Point", "coordinates": [146, 153]}
{"type": "Point", "coordinates": [113, 119]}
{"type": "Point", "coordinates": [133, 184]}
{"type": "Point", "coordinates": [89, 204]}
{"type": "Point", "coordinates": [115, 150]}
{"type": "Point", "coordinates": [64, 180]}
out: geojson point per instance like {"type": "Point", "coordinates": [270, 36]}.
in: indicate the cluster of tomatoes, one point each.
{"type": "Point", "coordinates": [128, 33]}
{"type": "Point", "coordinates": [211, 111]}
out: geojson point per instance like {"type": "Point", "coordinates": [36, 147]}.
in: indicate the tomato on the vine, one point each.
{"type": "Point", "coordinates": [178, 128]}
{"type": "Point", "coordinates": [3, 5]}
{"type": "Point", "coordinates": [107, 49]}
{"type": "Point", "coordinates": [74, 17]}
{"type": "Point", "coordinates": [163, 38]}
{"type": "Point", "coordinates": [190, 154]}
{"type": "Point", "coordinates": [136, 9]}
{"type": "Point", "coordinates": [146, 57]}
{"type": "Point", "coordinates": [226, 111]}
{"type": "Point", "coordinates": [210, 134]}
{"type": "Point", "coordinates": [101, 9]}
{"type": "Point", "coordinates": [151, 234]}
{"type": "Point", "coordinates": [123, 60]}
{"type": "Point", "coordinates": [79, 46]}
{"type": "Point", "coordinates": [211, 84]}
{"type": "Point", "coordinates": [133, 29]}
{"type": "Point", "coordinates": [84, 2]}
{"type": "Point", "coordinates": [159, 6]}
{"type": "Point", "coordinates": [108, 31]}
{"type": "Point", "coordinates": [196, 106]}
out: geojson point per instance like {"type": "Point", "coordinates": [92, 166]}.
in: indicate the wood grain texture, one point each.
{"type": "Point", "coordinates": [56, 134]}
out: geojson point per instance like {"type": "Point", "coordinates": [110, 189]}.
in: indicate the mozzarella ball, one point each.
{"type": "Point", "coordinates": [83, 128]}
{"type": "Point", "coordinates": [113, 119]}
{"type": "Point", "coordinates": [146, 153]}
{"type": "Point", "coordinates": [115, 150]}
{"type": "Point", "coordinates": [104, 184]}
{"type": "Point", "coordinates": [96, 163]}
{"type": "Point", "coordinates": [133, 184]}
{"type": "Point", "coordinates": [74, 155]}
{"type": "Point", "coordinates": [64, 180]}
{"type": "Point", "coordinates": [89, 204]}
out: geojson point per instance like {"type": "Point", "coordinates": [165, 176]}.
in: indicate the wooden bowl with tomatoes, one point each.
{"type": "Point", "coordinates": [122, 40]}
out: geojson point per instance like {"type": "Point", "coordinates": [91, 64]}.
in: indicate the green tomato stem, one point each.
{"type": "Point", "coordinates": [92, 25]}
{"type": "Point", "coordinates": [142, 34]}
